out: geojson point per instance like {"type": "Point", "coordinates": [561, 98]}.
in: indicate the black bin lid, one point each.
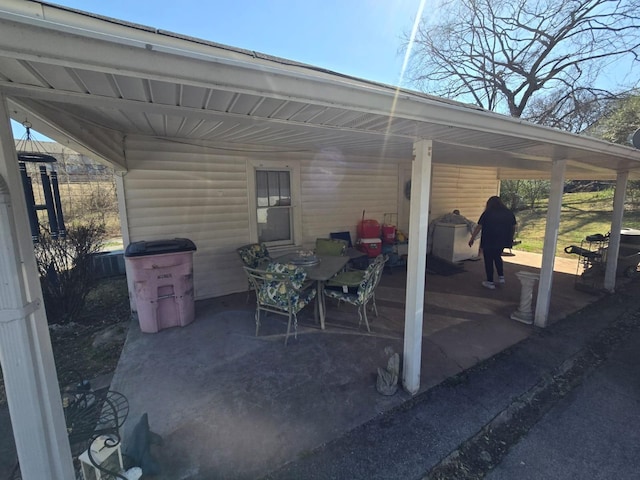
{"type": "Point", "coordinates": [630, 236]}
{"type": "Point", "coordinates": [157, 247]}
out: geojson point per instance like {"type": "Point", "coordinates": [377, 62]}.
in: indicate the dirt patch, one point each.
{"type": "Point", "coordinates": [84, 350]}
{"type": "Point", "coordinates": [76, 352]}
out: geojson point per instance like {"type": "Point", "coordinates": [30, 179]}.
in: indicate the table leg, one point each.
{"type": "Point", "coordinates": [316, 309]}
{"type": "Point", "coordinates": [321, 304]}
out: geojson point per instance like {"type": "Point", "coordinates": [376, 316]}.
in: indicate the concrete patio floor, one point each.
{"type": "Point", "coordinates": [232, 405]}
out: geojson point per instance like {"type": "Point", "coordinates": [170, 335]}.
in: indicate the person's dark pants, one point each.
{"type": "Point", "coordinates": [492, 256]}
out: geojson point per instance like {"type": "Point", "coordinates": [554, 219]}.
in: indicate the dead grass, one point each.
{"type": "Point", "coordinates": [583, 213]}
{"type": "Point", "coordinates": [85, 201]}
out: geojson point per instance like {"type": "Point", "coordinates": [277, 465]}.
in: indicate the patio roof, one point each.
{"type": "Point", "coordinates": [90, 82]}
{"type": "Point", "coordinates": [129, 79]}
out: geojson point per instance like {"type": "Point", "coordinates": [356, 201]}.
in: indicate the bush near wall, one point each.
{"type": "Point", "coordinates": [66, 269]}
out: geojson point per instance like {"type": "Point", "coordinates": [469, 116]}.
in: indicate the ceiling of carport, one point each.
{"type": "Point", "coordinates": [97, 100]}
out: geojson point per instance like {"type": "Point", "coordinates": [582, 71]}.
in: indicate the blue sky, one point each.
{"type": "Point", "coordinates": [361, 38]}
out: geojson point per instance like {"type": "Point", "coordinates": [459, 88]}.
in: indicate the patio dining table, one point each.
{"type": "Point", "coordinates": [322, 271]}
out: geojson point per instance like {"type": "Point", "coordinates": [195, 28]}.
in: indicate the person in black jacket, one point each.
{"type": "Point", "coordinates": [498, 225]}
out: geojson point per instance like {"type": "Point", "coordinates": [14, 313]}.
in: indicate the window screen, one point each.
{"type": "Point", "coordinates": [273, 197]}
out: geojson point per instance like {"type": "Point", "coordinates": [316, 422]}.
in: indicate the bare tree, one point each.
{"type": "Point", "coordinates": [535, 59]}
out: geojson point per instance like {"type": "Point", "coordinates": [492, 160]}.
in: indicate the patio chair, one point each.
{"type": "Point", "coordinates": [331, 246]}
{"type": "Point", "coordinates": [349, 281]}
{"type": "Point", "coordinates": [365, 291]}
{"type": "Point", "coordinates": [254, 255]}
{"type": "Point", "coordinates": [346, 236]}
{"type": "Point", "coordinates": [281, 289]}
{"type": "Point", "coordinates": [358, 259]}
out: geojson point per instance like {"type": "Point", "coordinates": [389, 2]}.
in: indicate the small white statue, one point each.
{"type": "Point", "coordinates": [387, 382]}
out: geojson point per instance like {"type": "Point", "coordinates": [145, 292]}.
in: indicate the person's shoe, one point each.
{"type": "Point", "coordinates": [489, 285]}
{"type": "Point", "coordinates": [501, 280]}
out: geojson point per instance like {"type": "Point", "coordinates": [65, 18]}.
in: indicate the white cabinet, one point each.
{"type": "Point", "coordinates": [451, 242]}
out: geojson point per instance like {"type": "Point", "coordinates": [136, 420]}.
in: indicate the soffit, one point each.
{"type": "Point", "coordinates": [177, 88]}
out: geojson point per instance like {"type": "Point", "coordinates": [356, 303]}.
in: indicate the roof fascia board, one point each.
{"type": "Point", "coordinates": [351, 94]}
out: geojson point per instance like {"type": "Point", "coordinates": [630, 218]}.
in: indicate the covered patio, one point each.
{"type": "Point", "coordinates": [188, 123]}
{"type": "Point", "coordinates": [231, 405]}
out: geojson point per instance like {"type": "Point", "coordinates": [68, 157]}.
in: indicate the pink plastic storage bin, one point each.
{"type": "Point", "coordinates": [162, 274]}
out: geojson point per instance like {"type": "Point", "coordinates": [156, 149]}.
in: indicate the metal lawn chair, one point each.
{"type": "Point", "coordinates": [281, 289]}
{"type": "Point", "coordinates": [365, 291]}
{"type": "Point", "coordinates": [254, 255]}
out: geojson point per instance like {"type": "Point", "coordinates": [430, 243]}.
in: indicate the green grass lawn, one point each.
{"type": "Point", "coordinates": [583, 213]}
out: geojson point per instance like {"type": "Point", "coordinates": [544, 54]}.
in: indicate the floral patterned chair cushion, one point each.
{"type": "Point", "coordinates": [254, 255]}
{"type": "Point", "coordinates": [284, 287]}
{"type": "Point", "coordinates": [365, 291]}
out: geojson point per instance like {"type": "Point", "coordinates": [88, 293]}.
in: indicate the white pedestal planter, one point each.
{"type": "Point", "coordinates": [524, 313]}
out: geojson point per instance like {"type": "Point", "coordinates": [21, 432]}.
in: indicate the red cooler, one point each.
{"type": "Point", "coordinates": [389, 229]}
{"type": "Point", "coordinates": [388, 234]}
{"type": "Point", "coordinates": [371, 246]}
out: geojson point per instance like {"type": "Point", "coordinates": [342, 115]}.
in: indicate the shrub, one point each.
{"type": "Point", "coordinates": [66, 269]}
{"type": "Point", "coordinates": [511, 195]}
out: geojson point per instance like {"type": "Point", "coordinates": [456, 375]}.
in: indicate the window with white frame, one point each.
{"type": "Point", "coordinates": [274, 200]}
{"type": "Point", "coordinates": [274, 208]}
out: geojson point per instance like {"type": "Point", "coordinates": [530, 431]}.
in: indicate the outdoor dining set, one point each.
{"type": "Point", "coordinates": [285, 285]}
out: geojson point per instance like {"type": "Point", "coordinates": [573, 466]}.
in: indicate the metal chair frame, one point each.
{"type": "Point", "coordinates": [365, 292]}
{"type": "Point", "coordinates": [261, 280]}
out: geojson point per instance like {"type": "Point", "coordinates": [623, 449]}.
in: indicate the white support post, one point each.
{"type": "Point", "coordinates": [616, 226]}
{"type": "Point", "coordinates": [550, 241]}
{"type": "Point", "coordinates": [414, 305]}
{"type": "Point", "coordinates": [26, 356]}
{"type": "Point", "coordinates": [124, 228]}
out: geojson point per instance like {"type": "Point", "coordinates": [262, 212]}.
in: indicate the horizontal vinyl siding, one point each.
{"type": "Point", "coordinates": [464, 188]}
{"type": "Point", "coordinates": [334, 195]}
{"type": "Point", "coordinates": [174, 189]}
{"type": "Point", "coordinates": [178, 190]}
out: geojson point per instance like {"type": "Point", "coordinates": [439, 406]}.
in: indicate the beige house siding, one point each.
{"type": "Point", "coordinates": [464, 188]}
{"type": "Point", "coordinates": [178, 190]}
{"type": "Point", "coordinates": [174, 189]}
{"type": "Point", "coordinates": [335, 193]}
